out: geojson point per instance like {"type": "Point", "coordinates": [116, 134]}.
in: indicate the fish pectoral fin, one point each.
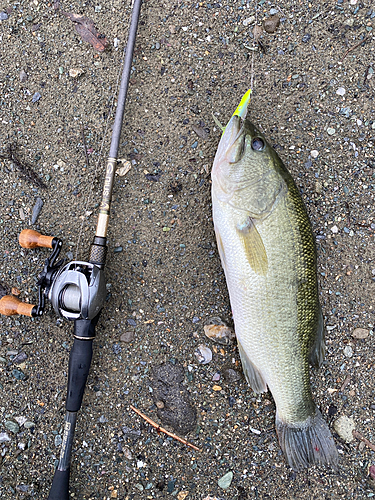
{"type": "Point", "coordinates": [252, 374]}
{"type": "Point", "coordinates": [318, 348]}
{"type": "Point", "coordinates": [255, 250]}
{"type": "Point", "coordinates": [220, 248]}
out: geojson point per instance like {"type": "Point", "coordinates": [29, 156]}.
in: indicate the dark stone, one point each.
{"type": "Point", "coordinates": [175, 410]}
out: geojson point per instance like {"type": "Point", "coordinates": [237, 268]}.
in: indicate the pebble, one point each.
{"type": "Point", "coordinates": [334, 229]}
{"type": "Point", "coordinates": [29, 424]}
{"type": "Point", "coordinates": [360, 333]}
{"type": "Point", "coordinates": [4, 438]}
{"type": "Point", "coordinates": [344, 426]}
{"type": "Point", "coordinates": [182, 495]}
{"type": "Point", "coordinates": [124, 168]}
{"type": "Point", "coordinates": [127, 337]}
{"type": "Point", "coordinates": [3, 16]}
{"type": "Point", "coordinates": [341, 91]}
{"type": "Point", "coordinates": [116, 348]}
{"type": "Point", "coordinates": [348, 351]}
{"type": "Point", "coordinates": [231, 375]}
{"type": "Point", "coordinates": [219, 332]}
{"type": "Point", "coordinates": [18, 374]}
{"type": "Point", "coordinates": [58, 440]}
{"type": "Point", "coordinates": [20, 420]}
{"type": "Point", "coordinates": [306, 38]}
{"type": "Point", "coordinates": [203, 354]}
{"type": "Point", "coordinates": [271, 24]}
{"type": "Point", "coordinates": [75, 72]}
{"type": "Point", "coordinates": [36, 97]}
{"type": "Point", "coordinates": [371, 471]}
{"type": "Point", "coordinates": [23, 76]}
{"type": "Point", "coordinates": [314, 153]}
{"type": "Point", "coordinates": [331, 131]}
{"type": "Point", "coordinates": [248, 20]}
{"type": "Point", "coordinates": [36, 210]}
{"type": "Point", "coordinates": [12, 426]}
{"type": "Point", "coordinates": [225, 481]}
{"type": "Point", "coordinates": [20, 358]}
{"type": "Point", "coordinates": [118, 249]}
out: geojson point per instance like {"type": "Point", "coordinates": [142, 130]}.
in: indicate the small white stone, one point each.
{"type": "Point", "coordinates": [344, 426]}
{"type": "Point", "coordinates": [341, 91]}
{"type": "Point", "coordinates": [348, 351]}
{"type": "Point", "coordinates": [248, 20]}
{"type": "Point", "coordinates": [331, 131]}
{"type": "Point", "coordinates": [334, 229]}
{"type": "Point", "coordinates": [314, 153]}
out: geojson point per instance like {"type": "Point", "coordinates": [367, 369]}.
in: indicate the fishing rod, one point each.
{"type": "Point", "coordinates": [77, 290]}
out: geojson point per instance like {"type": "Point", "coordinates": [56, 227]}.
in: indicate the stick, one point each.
{"type": "Point", "coordinates": [352, 48]}
{"type": "Point", "coordinates": [364, 440]}
{"type": "Point", "coordinates": [160, 429]}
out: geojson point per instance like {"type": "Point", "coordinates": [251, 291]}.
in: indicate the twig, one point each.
{"type": "Point", "coordinates": [346, 382]}
{"type": "Point", "coordinates": [364, 440]}
{"type": "Point", "coordinates": [25, 169]}
{"type": "Point", "coordinates": [160, 429]}
{"type": "Point", "coordinates": [354, 47]}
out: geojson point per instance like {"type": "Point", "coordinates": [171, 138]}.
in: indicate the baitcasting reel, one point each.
{"type": "Point", "coordinates": [76, 290]}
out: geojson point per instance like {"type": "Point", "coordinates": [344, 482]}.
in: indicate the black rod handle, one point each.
{"type": "Point", "coordinates": [79, 362]}
{"type": "Point", "coordinates": [60, 485]}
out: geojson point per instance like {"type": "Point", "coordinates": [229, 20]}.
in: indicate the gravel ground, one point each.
{"type": "Point", "coordinates": [314, 99]}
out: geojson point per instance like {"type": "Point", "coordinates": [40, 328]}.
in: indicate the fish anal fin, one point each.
{"type": "Point", "coordinates": [252, 374]}
{"type": "Point", "coordinates": [255, 250]}
{"type": "Point", "coordinates": [318, 349]}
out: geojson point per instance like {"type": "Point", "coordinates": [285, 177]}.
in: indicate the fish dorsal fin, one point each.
{"type": "Point", "coordinates": [252, 374]}
{"type": "Point", "coordinates": [254, 247]}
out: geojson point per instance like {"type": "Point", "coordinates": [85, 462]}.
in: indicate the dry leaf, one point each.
{"type": "Point", "coordinates": [86, 29]}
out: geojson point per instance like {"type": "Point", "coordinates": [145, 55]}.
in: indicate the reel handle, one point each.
{"type": "Point", "coordinates": [10, 305]}
{"type": "Point", "coordinates": [29, 238]}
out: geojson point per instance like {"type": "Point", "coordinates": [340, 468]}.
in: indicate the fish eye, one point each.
{"type": "Point", "coordinates": [257, 144]}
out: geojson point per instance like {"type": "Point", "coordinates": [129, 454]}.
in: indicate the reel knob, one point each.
{"type": "Point", "coordinates": [29, 238]}
{"type": "Point", "coordinates": [11, 305]}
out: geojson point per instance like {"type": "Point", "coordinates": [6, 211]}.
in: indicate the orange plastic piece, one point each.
{"type": "Point", "coordinates": [10, 305]}
{"type": "Point", "coordinates": [32, 239]}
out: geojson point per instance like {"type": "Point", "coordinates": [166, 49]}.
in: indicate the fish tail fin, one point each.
{"type": "Point", "coordinates": [307, 443]}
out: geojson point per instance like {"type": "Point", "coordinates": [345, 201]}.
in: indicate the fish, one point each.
{"type": "Point", "coordinates": [268, 254]}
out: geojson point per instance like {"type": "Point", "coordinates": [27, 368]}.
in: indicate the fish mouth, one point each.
{"type": "Point", "coordinates": [236, 125]}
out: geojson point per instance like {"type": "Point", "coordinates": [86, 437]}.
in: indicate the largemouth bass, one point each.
{"type": "Point", "coordinates": [267, 251]}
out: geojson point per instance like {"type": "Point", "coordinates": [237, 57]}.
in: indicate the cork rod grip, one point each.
{"type": "Point", "coordinates": [10, 305]}
{"type": "Point", "coordinates": [31, 239]}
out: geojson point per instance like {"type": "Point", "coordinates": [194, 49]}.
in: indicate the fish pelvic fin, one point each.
{"type": "Point", "coordinates": [318, 348]}
{"type": "Point", "coordinates": [255, 250]}
{"type": "Point", "coordinates": [307, 443]}
{"type": "Point", "coordinates": [252, 374]}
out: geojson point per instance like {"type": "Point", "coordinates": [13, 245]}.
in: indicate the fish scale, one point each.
{"type": "Point", "coordinates": [268, 254]}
